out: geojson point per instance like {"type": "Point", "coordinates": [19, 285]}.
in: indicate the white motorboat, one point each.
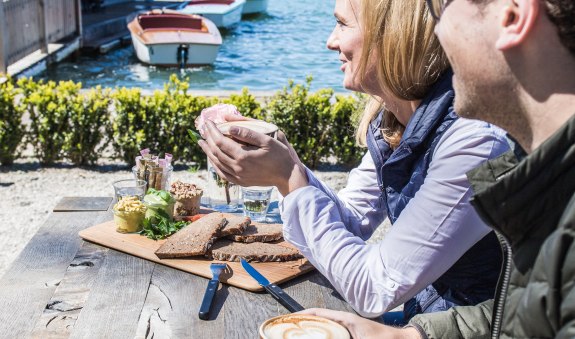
{"type": "Point", "coordinates": [255, 6]}
{"type": "Point", "coordinates": [224, 13]}
{"type": "Point", "coordinates": [170, 38]}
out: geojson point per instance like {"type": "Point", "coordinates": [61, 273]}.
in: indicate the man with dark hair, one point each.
{"type": "Point", "coordinates": [514, 66]}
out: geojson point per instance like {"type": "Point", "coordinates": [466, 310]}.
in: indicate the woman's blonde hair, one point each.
{"type": "Point", "coordinates": [399, 40]}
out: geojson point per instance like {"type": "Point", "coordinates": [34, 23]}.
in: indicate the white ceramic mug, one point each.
{"type": "Point", "coordinates": [302, 326]}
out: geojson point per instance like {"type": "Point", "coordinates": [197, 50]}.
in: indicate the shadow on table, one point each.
{"type": "Point", "coordinates": [35, 166]}
{"type": "Point", "coordinates": [219, 300]}
{"type": "Point", "coordinates": [27, 165]}
{"type": "Point", "coordinates": [315, 278]}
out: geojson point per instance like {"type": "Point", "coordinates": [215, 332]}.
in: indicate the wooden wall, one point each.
{"type": "Point", "coordinates": [29, 25]}
{"type": "Point", "coordinates": [61, 19]}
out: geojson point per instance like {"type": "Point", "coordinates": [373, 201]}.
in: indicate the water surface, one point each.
{"type": "Point", "coordinates": [261, 53]}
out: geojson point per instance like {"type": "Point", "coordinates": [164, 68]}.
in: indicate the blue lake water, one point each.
{"type": "Point", "coordinates": [261, 53]}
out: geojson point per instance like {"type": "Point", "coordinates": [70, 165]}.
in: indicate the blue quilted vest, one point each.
{"type": "Point", "coordinates": [400, 174]}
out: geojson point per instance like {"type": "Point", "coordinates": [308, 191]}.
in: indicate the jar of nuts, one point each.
{"type": "Point", "coordinates": [187, 197]}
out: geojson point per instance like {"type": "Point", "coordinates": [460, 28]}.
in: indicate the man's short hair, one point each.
{"type": "Point", "coordinates": [562, 14]}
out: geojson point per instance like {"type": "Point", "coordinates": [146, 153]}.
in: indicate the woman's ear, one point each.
{"type": "Point", "coordinates": [517, 21]}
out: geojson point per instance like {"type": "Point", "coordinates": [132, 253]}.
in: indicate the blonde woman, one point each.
{"type": "Point", "coordinates": [438, 253]}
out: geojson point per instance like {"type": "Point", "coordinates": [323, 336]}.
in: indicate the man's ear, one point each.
{"type": "Point", "coordinates": [517, 21]}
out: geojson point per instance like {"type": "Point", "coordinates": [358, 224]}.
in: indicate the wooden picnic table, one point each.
{"type": "Point", "coordinates": [62, 286]}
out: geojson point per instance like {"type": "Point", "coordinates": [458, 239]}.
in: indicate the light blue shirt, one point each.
{"type": "Point", "coordinates": [433, 231]}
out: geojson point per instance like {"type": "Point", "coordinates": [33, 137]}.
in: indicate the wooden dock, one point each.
{"type": "Point", "coordinates": [34, 33]}
{"type": "Point", "coordinates": [106, 27]}
{"type": "Point", "coordinates": [37, 33]}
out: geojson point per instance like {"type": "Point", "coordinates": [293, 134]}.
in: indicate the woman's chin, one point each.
{"type": "Point", "coordinates": [351, 86]}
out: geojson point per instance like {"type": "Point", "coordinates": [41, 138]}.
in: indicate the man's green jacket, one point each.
{"type": "Point", "coordinates": [531, 204]}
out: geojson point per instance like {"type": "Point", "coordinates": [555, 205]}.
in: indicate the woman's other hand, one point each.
{"type": "Point", "coordinates": [363, 328]}
{"type": "Point", "coordinates": [256, 160]}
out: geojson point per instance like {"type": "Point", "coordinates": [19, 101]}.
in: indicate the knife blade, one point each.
{"type": "Point", "coordinates": [273, 289]}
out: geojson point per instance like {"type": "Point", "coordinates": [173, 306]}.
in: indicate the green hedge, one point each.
{"type": "Point", "coordinates": [12, 130]}
{"type": "Point", "coordinates": [68, 123]}
{"type": "Point", "coordinates": [159, 121]}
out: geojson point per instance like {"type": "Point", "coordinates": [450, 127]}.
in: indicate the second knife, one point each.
{"type": "Point", "coordinates": [272, 289]}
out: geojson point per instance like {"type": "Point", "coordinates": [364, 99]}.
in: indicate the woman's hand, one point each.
{"type": "Point", "coordinates": [218, 113]}
{"type": "Point", "coordinates": [256, 160]}
{"type": "Point", "coordinates": [363, 328]}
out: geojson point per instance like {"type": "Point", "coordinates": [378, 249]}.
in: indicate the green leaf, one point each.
{"type": "Point", "coordinates": [165, 196]}
{"type": "Point", "coordinates": [161, 227]}
{"type": "Point", "coordinates": [194, 136]}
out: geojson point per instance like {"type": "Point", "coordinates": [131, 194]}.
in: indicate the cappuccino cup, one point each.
{"type": "Point", "coordinates": [302, 326]}
{"type": "Point", "coordinates": [255, 125]}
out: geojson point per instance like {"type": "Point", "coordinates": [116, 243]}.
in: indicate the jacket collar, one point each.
{"type": "Point", "coordinates": [430, 112]}
{"type": "Point", "coordinates": [524, 199]}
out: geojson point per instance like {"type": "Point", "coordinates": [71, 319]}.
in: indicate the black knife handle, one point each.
{"type": "Point", "coordinates": [283, 298]}
{"type": "Point", "coordinates": [204, 313]}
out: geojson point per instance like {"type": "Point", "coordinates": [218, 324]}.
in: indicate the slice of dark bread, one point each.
{"type": "Point", "coordinates": [257, 232]}
{"type": "Point", "coordinates": [194, 239]}
{"type": "Point", "coordinates": [227, 250]}
{"type": "Point", "coordinates": [236, 224]}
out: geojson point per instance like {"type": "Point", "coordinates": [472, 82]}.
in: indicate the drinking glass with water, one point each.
{"type": "Point", "coordinates": [256, 201]}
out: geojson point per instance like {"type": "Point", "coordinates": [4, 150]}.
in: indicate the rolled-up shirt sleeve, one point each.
{"type": "Point", "coordinates": [434, 230]}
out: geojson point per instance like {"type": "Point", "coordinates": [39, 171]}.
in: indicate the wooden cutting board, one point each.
{"type": "Point", "coordinates": [276, 272]}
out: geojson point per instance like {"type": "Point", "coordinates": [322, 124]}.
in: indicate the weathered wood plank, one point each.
{"type": "Point", "coordinates": [63, 309]}
{"type": "Point", "coordinates": [172, 305]}
{"type": "Point", "coordinates": [69, 204]}
{"type": "Point", "coordinates": [23, 28]}
{"type": "Point", "coordinates": [78, 15]}
{"type": "Point", "coordinates": [61, 19]}
{"type": "Point", "coordinates": [3, 38]}
{"type": "Point", "coordinates": [28, 285]}
{"type": "Point", "coordinates": [43, 16]}
{"type": "Point", "coordinates": [30, 25]}
{"type": "Point", "coordinates": [116, 298]}
{"type": "Point", "coordinates": [244, 311]}
{"type": "Point", "coordinates": [304, 291]}
{"type": "Point", "coordinates": [331, 297]}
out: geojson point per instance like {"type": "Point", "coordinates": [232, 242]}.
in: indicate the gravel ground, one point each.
{"type": "Point", "coordinates": [31, 192]}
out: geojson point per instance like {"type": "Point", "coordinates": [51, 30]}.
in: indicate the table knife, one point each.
{"type": "Point", "coordinates": [272, 289]}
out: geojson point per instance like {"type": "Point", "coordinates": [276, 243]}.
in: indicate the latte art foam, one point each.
{"type": "Point", "coordinates": [295, 326]}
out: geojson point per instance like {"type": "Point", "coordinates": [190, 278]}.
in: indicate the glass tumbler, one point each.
{"type": "Point", "coordinates": [256, 201]}
{"type": "Point", "coordinates": [129, 187]}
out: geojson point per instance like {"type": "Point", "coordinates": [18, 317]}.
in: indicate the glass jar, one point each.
{"type": "Point", "coordinates": [223, 195]}
{"type": "Point", "coordinates": [158, 178]}
{"type": "Point", "coordinates": [154, 209]}
{"type": "Point", "coordinates": [129, 221]}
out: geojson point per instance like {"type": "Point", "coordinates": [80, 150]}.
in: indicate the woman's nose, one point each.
{"type": "Point", "coordinates": [332, 42]}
